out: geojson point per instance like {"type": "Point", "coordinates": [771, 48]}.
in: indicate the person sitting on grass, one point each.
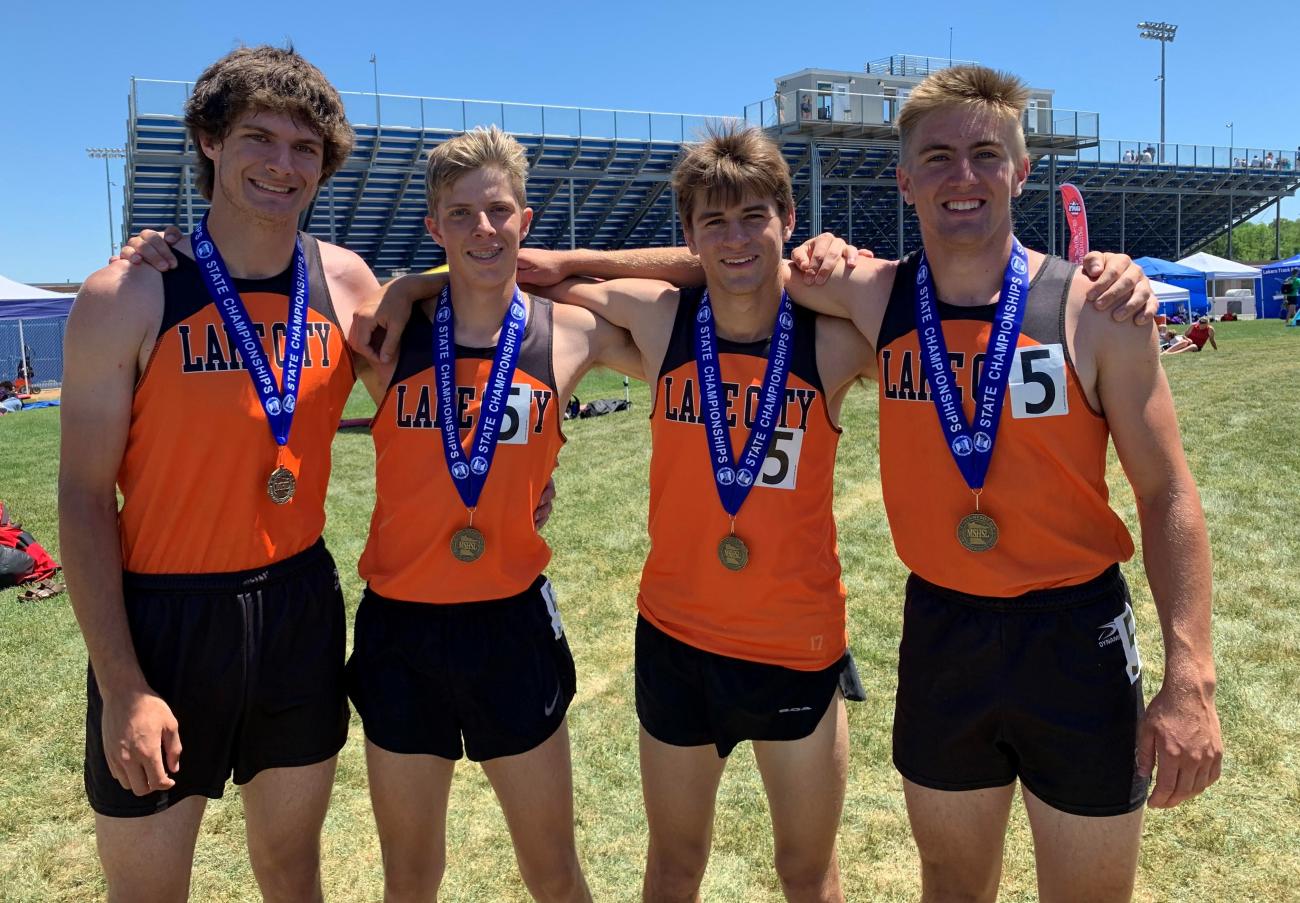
{"type": "Point", "coordinates": [1195, 338]}
{"type": "Point", "coordinates": [9, 401]}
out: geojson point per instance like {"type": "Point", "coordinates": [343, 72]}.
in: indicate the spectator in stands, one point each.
{"type": "Point", "coordinates": [779, 101]}
{"type": "Point", "coordinates": [1148, 154]}
{"type": "Point", "coordinates": [1195, 338]}
{"type": "Point", "coordinates": [1130, 156]}
{"type": "Point", "coordinates": [1269, 162]}
{"type": "Point", "coordinates": [1255, 162]}
{"type": "Point", "coordinates": [805, 107]}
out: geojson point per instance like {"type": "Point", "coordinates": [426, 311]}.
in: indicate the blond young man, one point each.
{"type": "Point", "coordinates": [459, 646]}
{"type": "Point", "coordinates": [209, 605]}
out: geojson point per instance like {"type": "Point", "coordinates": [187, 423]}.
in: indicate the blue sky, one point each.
{"type": "Point", "coordinates": [66, 68]}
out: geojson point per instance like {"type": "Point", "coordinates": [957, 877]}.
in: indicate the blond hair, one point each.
{"type": "Point", "coordinates": [731, 162]}
{"type": "Point", "coordinates": [976, 87]}
{"type": "Point", "coordinates": [470, 151]}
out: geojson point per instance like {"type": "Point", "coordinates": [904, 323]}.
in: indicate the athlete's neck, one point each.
{"type": "Point", "coordinates": [968, 275]}
{"type": "Point", "coordinates": [479, 310]}
{"type": "Point", "coordinates": [252, 249]}
{"type": "Point", "coordinates": [746, 317]}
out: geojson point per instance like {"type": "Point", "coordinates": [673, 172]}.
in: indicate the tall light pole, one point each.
{"type": "Point", "coordinates": [1164, 33]}
{"type": "Point", "coordinates": [1231, 160]}
{"type": "Point", "coordinates": [106, 154]}
{"type": "Point", "coordinates": [374, 64]}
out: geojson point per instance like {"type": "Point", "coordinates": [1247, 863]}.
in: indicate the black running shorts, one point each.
{"type": "Point", "coordinates": [689, 697]}
{"type": "Point", "coordinates": [1044, 687]}
{"type": "Point", "coordinates": [251, 664]}
{"type": "Point", "coordinates": [496, 676]}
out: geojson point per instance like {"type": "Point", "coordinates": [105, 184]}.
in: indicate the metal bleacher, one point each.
{"type": "Point", "coordinates": [600, 178]}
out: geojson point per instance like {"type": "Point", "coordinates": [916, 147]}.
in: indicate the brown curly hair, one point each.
{"type": "Point", "coordinates": [266, 79]}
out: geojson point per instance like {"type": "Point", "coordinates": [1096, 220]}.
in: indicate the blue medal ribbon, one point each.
{"type": "Point", "coordinates": [735, 479]}
{"type": "Point", "coordinates": [971, 443]}
{"type": "Point", "coordinates": [469, 473]}
{"type": "Point", "coordinates": [277, 402]}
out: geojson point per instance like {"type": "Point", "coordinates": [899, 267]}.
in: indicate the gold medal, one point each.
{"type": "Point", "coordinates": [467, 544]}
{"type": "Point", "coordinates": [977, 532]}
{"type": "Point", "coordinates": [733, 553]}
{"type": "Point", "coordinates": [282, 484]}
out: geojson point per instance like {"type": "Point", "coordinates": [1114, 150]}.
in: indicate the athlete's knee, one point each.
{"type": "Point", "coordinates": [808, 874]}
{"type": "Point", "coordinates": [287, 869]}
{"type": "Point", "coordinates": [951, 881]}
{"type": "Point", "coordinates": [559, 879]}
{"type": "Point", "coordinates": [414, 880]}
{"type": "Point", "coordinates": [674, 872]}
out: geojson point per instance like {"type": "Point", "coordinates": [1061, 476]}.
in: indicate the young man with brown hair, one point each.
{"type": "Point", "coordinates": [209, 395]}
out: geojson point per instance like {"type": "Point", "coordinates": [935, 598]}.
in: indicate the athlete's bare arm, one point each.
{"type": "Point", "coordinates": [582, 341]}
{"type": "Point", "coordinates": [110, 334]}
{"type": "Point", "coordinates": [1117, 283]}
{"type": "Point", "coordinates": [675, 265]}
{"type": "Point", "coordinates": [844, 357]}
{"type": "Point", "coordinates": [377, 322]}
{"type": "Point", "coordinates": [645, 308]}
{"type": "Point", "coordinates": [351, 284]}
{"type": "Point", "coordinates": [1179, 737]}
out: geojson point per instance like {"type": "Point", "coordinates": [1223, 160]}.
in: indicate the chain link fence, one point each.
{"type": "Point", "coordinates": [31, 352]}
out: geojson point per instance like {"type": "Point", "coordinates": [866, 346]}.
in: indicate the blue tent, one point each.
{"type": "Point", "coordinates": [1182, 276]}
{"type": "Point", "coordinates": [1274, 273]}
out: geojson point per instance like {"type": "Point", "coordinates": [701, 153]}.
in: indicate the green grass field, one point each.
{"type": "Point", "coordinates": [1239, 842]}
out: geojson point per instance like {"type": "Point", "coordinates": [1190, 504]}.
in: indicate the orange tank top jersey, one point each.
{"type": "Point", "coordinates": [786, 607]}
{"type": "Point", "coordinates": [417, 508]}
{"type": "Point", "coordinates": [199, 451]}
{"type": "Point", "coordinates": [1046, 484]}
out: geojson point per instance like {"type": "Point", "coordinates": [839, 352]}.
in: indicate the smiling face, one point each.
{"type": "Point", "coordinates": [480, 223]}
{"type": "Point", "coordinates": [739, 244]}
{"type": "Point", "coordinates": [961, 168]}
{"type": "Point", "coordinates": [267, 168]}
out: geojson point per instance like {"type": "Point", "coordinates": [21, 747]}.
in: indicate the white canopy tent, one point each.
{"type": "Point", "coordinates": [1216, 269]}
{"type": "Point", "coordinates": [1173, 298]}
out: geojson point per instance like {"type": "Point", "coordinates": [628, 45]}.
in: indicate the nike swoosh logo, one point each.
{"type": "Point", "coordinates": [553, 703]}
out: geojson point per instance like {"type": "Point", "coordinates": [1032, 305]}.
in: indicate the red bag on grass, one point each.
{"type": "Point", "coordinates": [22, 558]}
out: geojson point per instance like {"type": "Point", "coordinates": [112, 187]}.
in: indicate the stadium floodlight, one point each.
{"type": "Point", "coordinates": [106, 154]}
{"type": "Point", "coordinates": [1164, 33]}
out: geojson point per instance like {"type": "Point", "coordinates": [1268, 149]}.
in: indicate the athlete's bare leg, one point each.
{"type": "Point", "coordinates": [805, 782]}
{"type": "Point", "coordinates": [284, 810]}
{"type": "Point", "coordinates": [680, 784]}
{"type": "Point", "coordinates": [409, 794]}
{"type": "Point", "coordinates": [959, 836]}
{"type": "Point", "coordinates": [1180, 345]}
{"type": "Point", "coordinates": [1082, 859]}
{"type": "Point", "coordinates": [148, 859]}
{"type": "Point", "coordinates": [536, 793]}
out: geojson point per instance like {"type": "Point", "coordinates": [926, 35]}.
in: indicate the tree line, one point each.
{"type": "Point", "coordinates": [1254, 242]}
